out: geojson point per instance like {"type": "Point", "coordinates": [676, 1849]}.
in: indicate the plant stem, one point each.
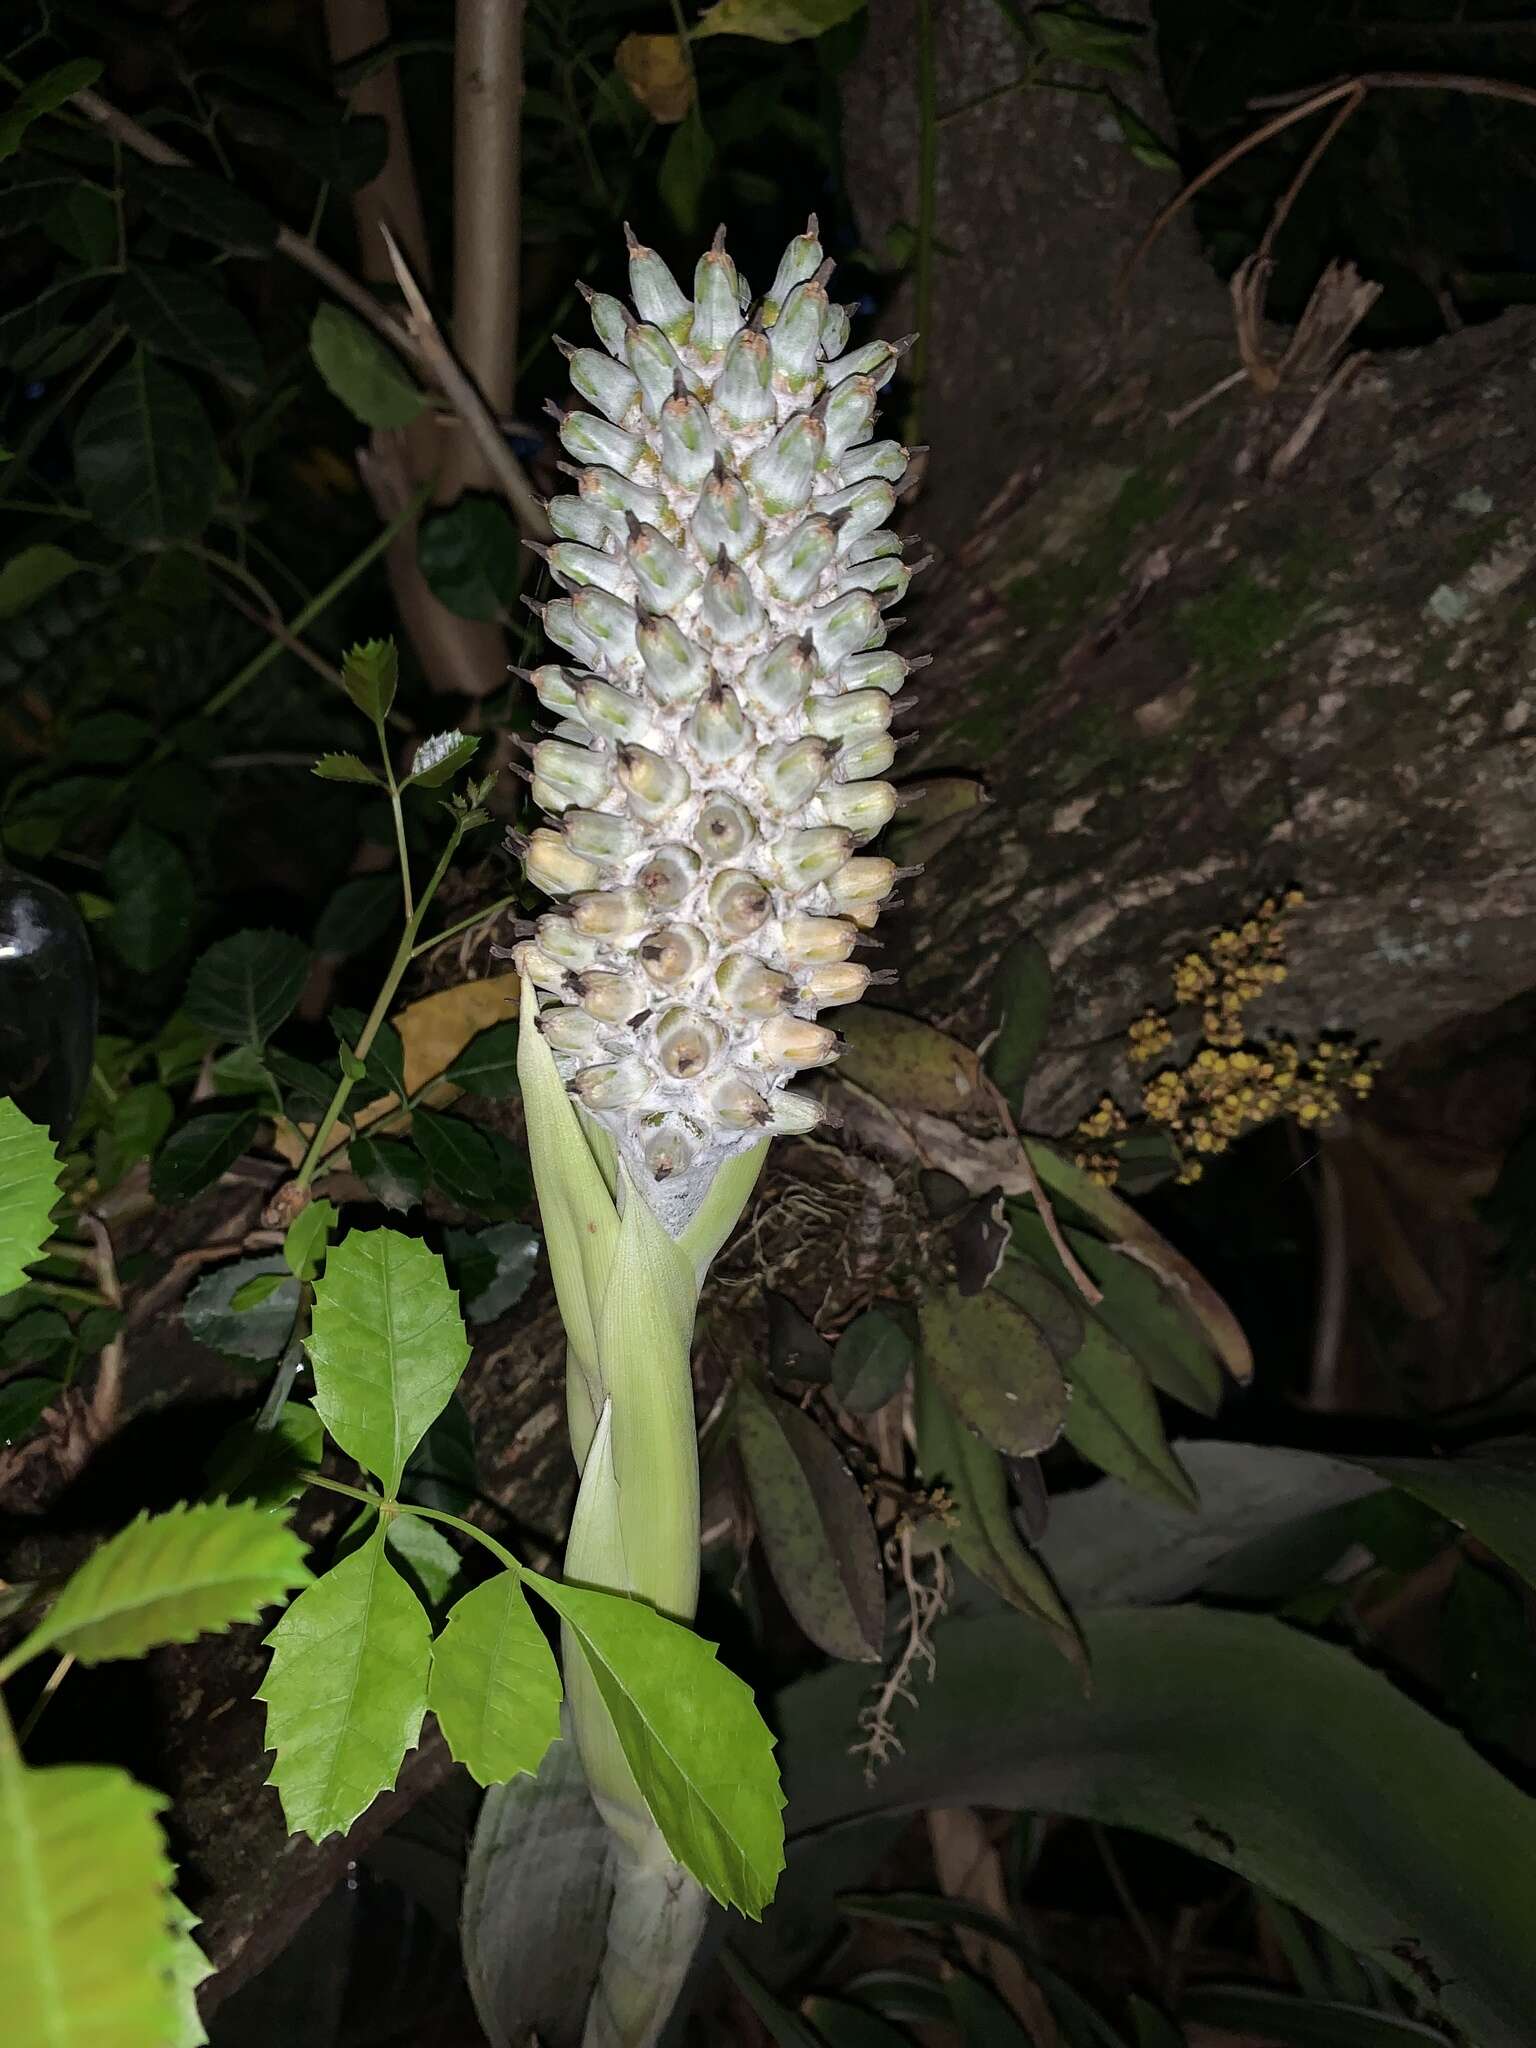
{"type": "Point", "coordinates": [406, 1507]}
{"type": "Point", "coordinates": [399, 817]}
{"type": "Point", "coordinates": [464, 924]}
{"type": "Point", "coordinates": [55, 1679]}
{"type": "Point", "coordinates": [376, 1016]}
{"type": "Point", "coordinates": [927, 186]}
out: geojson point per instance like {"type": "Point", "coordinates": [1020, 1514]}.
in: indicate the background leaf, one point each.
{"type": "Point", "coordinates": [1112, 1419]}
{"type": "Point", "coordinates": [488, 1064]}
{"type": "Point", "coordinates": [346, 1690]}
{"type": "Point", "coordinates": [995, 1369]}
{"type": "Point", "coordinates": [182, 314]}
{"type": "Point", "coordinates": [870, 1362]}
{"type": "Point", "coordinates": [495, 1688]}
{"type": "Point", "coordinates": [29, 1186]}
{"type": "Point", "coordinates": [151, 885]}
{"type": "Point", "coordinates": [387, 1345]}
{"type": "Point", "coordinates": [191, 203]}
{"type": "Point", "coordinates": [168, 1578]}
{"type": "Point", "coordinates": [266, 1466]}
{"type": "Point", "coordinates": [470, 556]}
{"type": "Point", "coordinates": [774, 21]}
{"type": "Point", "coordinates": [145, 457]}
{"type": "Point", "coordinates": [194, 1157]}
{"type": "Point", "coordinates": [243, 987]}
{"type": "Point", "coordinates": [1021, 1004]}
{"type": "Point", "coordinates": [31, 574]}
{"type": "Point", "coordinates": [259, 1332]}
{"type": "Point", "coordinates": [362, 371]}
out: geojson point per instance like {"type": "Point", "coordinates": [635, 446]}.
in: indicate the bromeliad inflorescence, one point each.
{"type": "Point", "coordinates": [716, 767]}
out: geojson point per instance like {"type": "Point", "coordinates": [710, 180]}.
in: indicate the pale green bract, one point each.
{"type": "Point", "coordinates": [387, 1345]}
{"type": "Point", "coordinates": [29, 1186]}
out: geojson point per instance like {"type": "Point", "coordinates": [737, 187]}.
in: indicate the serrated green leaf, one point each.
{"type": "Point", "coordinates": [692, 1736]}
{"type": "Point", "coordinates": [266, 1466]}
{"type": "Point", "coordinates": [370, 674]}
{"type": "Point", "coordinates": [1112, 1420]}
{"type": "Point", "coordinates": [31, 574]}
{"type": "Point", "coordinates": [387, 1346]}
{"type": "Point", "coordinates": [137, 1122]}
{"type": "Point", "coordinates": [145, 456]}
{"type": "Point", "coordinates": [469, 556]}
{"type": "Point", "coordinates": [29, 1187]}
{"type": "Point", "coordinates": [345, 768]}
{"type": "Point", "coordinates": [183, 315]}
{"type": "Point", "coordinates": [774, 21]}
{"type": "Point", "coordinates": [426, 1558]}
{"type": "Point", "coordinates": [258, 1331]}
{"type": "Point", "coordinates": [392, 1173]}
{"type": "Point", "coordinates": [495, 1687]}
{"type": "Point", "coordinates": [306, 1238]}
{"type": "Point", "coordinates": [151, 886]}
{"type": "Point", "coordinates": [194, 1157]}
{"type": "Point", "coordinates": [361, 911]}
{"type": "Point", "coordinates": [439, 758]}
{"type": "Point", "coordinates": [346, 1690]}
{"type": "Point", "coordinates": [995, 1368]}
{"type": "Point", "coordinates": [870, 1362]}
{"type": "Point", "coordinates": [813, 1525]}
{"type": "Point", "coordinates": [189, 1968]}
{"type": "Point", "coordinates": [23, 1404]}
{"type": "Point", "coordinates": [88, 1955]}
{"type": "Point", "coordinates": [167, 1578]}
{"type": "Point", "coordinates": [473, 1167]}
{"type": "Point", "coordinates": [362, 371]}
{"type": "Point", "coordinates": [493, 1268]}
{"type": "Point", "coordinates": [488, 1064]}
{"type": "Point", "coordinates": [243, 987]}
{"type": "Point", "coordinates": [982, 1531]}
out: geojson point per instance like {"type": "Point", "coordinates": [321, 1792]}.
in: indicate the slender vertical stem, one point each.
{"type": "Point", "coordinates": [927, 187]}
{"type": "Point", "coordinates": [487, 216]}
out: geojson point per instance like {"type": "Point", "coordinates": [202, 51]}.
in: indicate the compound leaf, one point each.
{"type": "Point", "coordinates": [495, 1688]}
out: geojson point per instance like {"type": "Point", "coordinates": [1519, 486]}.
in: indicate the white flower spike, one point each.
{"type": "Point", "coordinates": [724, 719]}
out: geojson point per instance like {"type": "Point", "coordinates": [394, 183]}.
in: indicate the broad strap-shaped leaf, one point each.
{"type": "Point", "coordinates": [692, 1736]}
{"type": "Point", "coordinates": [813, 1525]}
{"type": "Point", "coordinates": [88, 1953]}
{"type": "Point", "coordinates": [1375, 1819]}
{"type": "Point", "coordinates": [996, 1369]}
{"type": "Point", "coordinates": [495, 1687]}
{"type": "Point", "coordinates": [1493, 1499]}
{"type": "Point", "coordinates": [29, 1186]}
{"type": "Point", "coordinates": [388, 1347]}
{"type": "Point", "coordinates": [1113, 1421]}
{"type": "Point", "coordinates": [167, 1578]}
{"type": "Point", "coordinates": [346, 1690]}
{"type": "Point", "coordinates": [982, 1532]}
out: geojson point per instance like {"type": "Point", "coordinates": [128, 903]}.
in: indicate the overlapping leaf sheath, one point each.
{"type": "Point", "coordinates": [723, 723]}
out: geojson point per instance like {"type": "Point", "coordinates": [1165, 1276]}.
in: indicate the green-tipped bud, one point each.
{"type": "Point", "coordinates": [863, 506]}
{"type": "Point", "coordinates": [668, 877]}
{"type": "Point", "coordinates": [552, 866]}
{"type": "Point", "coordinates": [555, 687]}
{"type": "Point", "coordinates": [835, 329]}
{"type": "Point", "coordinates": [608, 621]}
{"type": "Point", "coordinates": [608, 321]}
{"type": "Point", "coordinates": [743, 392]}
{"type": "Point", "coordinates": [795, 337]}
{"type": "Point", "coordinates": [589, 439]}
{"type": "Point", "coordinates": [883, 541]}
{"type": "Point", "coordinates": [875, 360]}
{"type": "Point", "coordinates": [726, 521]}
{"type": "Point", "coordinates": [611, 1087]}
{"type": "Point", "coordinates": [688, 442]}
{"type": "Point", "coordinates": [655, 290]}
{"type": "Point", "coordinates": [717, 727]}
{"type": "Point", "coordinates": [618, 495]}
{"type": "Point", "coordinates": [576, 774]}
{"type": "Point", "coordinates": [848, 413]}
{"type": "Point", "coordinates": [805, 858]}
{"type": "Point", "coordinates": [870, 754]}
{"type": "Point", "coordinates": [716, 300]}
{"type": "Point", "coordinates": [737, 1104]}
{"type": "Point", "coordinates": [576, 566]}
{"type": "Point", "coordinates": [782, 473]}
{"type": "Point", "coordinates": [602, 836]}
{"type": "Point", "coordinates": [560, 940]}
{"type": "Point", "coordinates": [675, 667]}
{"type": "Point", "coordinates": [865, 880]}
{"type": "Point", "coordinates": [886, 577]}
{"type": "Point", "coordinates": [610, 998]}
{"type": "Point", "coordinates": [816, 941]}
{"type": "Point", "coordinates": [792, 1042]}
{"type": "Point", "coordinates": [777, 682]}
{"type": "Point", "coordinates": [846, 625]}
{"type": "Point", "coordinates": [611, 714]}
{"type": "Point", "coordinates": [686, 1044]}
{"type": "Point", "coordinates": [861, 808]}
{"type": "Point", "coordinates": [723, 829]}
{"type": "Point", "coordinates": [851, 715]}
{"type": "Point", "coordinates": [749, 988]}
{"type": "Point", "coordinates": [664, 573]}
{"type": "Point", "coordinates": [564, 626]}
{"type": "Point", "coordinates": [576, 519]}
{"type": "Point", "coordinates": [668, 1151]}
{"type": "Point", "coordinates": [541, 970]}
{"type": "Point", "coordinates": [601, 381]}
{"type": "Point", "coordinates": [801, 260]}
{"type": "Point", "coordinates": [880, 669]}
{"type": "Point", "coordinates": [573, 1031]}
{"type": "Point", "coordinates": [887, 459]}
{"type": "Point", "coordinates": [790, 772]}
{"type": "Point", "coordinates": [673, 955]}
{"type": "Point", "coordinates": [729, 607]}
{"type": "Point", "coordinates": [656, 786]}
{"type": "Point", "coordinates": [657, 367]}
{"type": "Point", "coordinates": [842, 982]}
{"type": "Point", "coordinates": [609, 913]}
{"type": "Point", "coordinates": [738, 903]}
{"type": "Point", "coordinates": [792, 1115]}
{"type": "Point", "coordinates": [795, 564]}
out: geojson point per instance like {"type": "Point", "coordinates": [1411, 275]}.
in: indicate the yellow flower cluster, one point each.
{"type": "Point", "coordinates": [1233, 1083]}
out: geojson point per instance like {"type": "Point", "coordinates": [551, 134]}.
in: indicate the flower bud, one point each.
{"type": "Point", "coordinates": [813, 941]}
{"type": "Point", "coordinates": [573, 565]}
{"type": "Point", "coordinates": [608, 319]}
{"type": "Point", "coordinates": [791, 771]}
{"type": "Point", "coordinates": [792, 1042]}
{"type": "Point", "coordinates": [686, 1044]}
{"type": "Point", "coordinates": [749, 988]}
{"type": "Point", "coordinates": [845, 625]}
{"type": "Point", "coordinates": [611, 714]}
{"type": "Point", "coordinates": [656, 365]}
{"type": "Point", "coordinates": [668, 1150]}
{"type": "Point", "coordinates": [572, 1031]}
{"type": "Point", "coordinates": [744, 389]}
{"type": "Point", "coordinates": [555, 687]}
{"type": "Point", "coordinates": [835, 329]}
{"type": "Point", "coordinates": [717, 726]}
{"type": "Point", "coordinates": [576, 775]}
{"type": "Point", "coordinates": [668, 877]}
{"type": "Point", "coordinates": [723, 829]}
{"type": "Point", "coordinates": [848, 413]}
{"type": "Point", "coordinates": [655, 290]}
{"type": "Point", "coordinates": [738, 903]}
{"type": "Point", "coordinates": [861, 808]}
{"type": "Point", "coordinates": [610, 998]}
{"type": "Point", "coordinates": [609, 913]}
{"type": "Point", "coordinates": [777, 682]}
{"type": "Point", "coordinates": [737, 1104]}
{"type": "Point", "coordinates": [576, 519]}
{"type": "Point", "coordinates": [886, 575]}
{"type": "Point", "coordinates": [880, 669]}
{"type": "Point", "coordinates": [782, 473]}
{"type": "Point", "coordinates": [602, 835]}
{"type": "Point", "coordinates": [864, 507]}
{"type": "Point", "coordinates": [601, 381]}
{"type": "Point", "coordinates": [560, 940]}
{"type": "Point", "coordinates": [566, 629]}
{"type": "Point", "coordinates": [716, 300]}
{"type": "Point", "coordinates": [729, 607]}
{"type": "Point", "coordinates": [608, 621]}
{"type": "Point", "coordinates": [540, 969]}
{"type": "Point", "coordinates": [612, 493]}
{"type": "Point", "coordinates": [807, 857]}
{"type": "Point", "coordinates": [796, 563]}
{"type": "Point", "coordinates": [613, 1086]}
{"type": "Point", "coordinates": [842, 982]}
{"type": "Point", "coordinates": [552, 866]}
{"type": "Point", "coordinates": [588, 439]}
{"type": "Point", "coordinates": [673, 954]}
{"type": "Point", "coordinates": [688, 443]}
{"type": "Point", "coordinates": [792, 1115]}
{"type": "Point", "coordinates": [886, 459]}
{"type": "Point", "coordinates": [866, 755]}
{"type": "Point", "coordinates": [655, 785]}
{"type": "Point", "coordinates": [726, 521]}
{"type": "Point", "coordinates": [664, 573]}
{"type": "Point", "coordinates": [850, 716]}
{"type": "Point", "coordinates": [795, 336]}
{"type": "Point", "coordinates": [674, 667]}
{"type": "Point", "coordinates": [800, 261]}
{"type": "Point", "coordinates": [865, 881]}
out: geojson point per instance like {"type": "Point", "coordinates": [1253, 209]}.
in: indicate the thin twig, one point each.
{"type": "Point", "coordinates": [1064, 1251]}
{"type": "Point", "coordinates": [1123, 1893]}
{"type": "Point", "coordinates": [54, 1680]}
{"type": "Point", "coordinates": [107, 1397]}
{"type": "Point", "coordinates": [272, 623]}
{"type": "Point", "coordinates": [1309, 164]}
